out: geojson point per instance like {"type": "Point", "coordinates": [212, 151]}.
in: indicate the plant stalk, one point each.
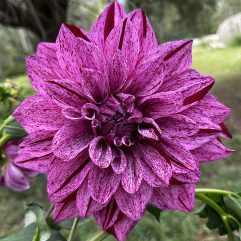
{"type": "Point", "coordinates": [73, 229]}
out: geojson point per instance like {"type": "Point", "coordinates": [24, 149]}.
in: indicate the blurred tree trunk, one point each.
{"type": "Point", "coordinates": [42, 17]}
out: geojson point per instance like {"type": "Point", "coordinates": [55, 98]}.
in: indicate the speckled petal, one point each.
{"type": "Point", "coordinates": [174, 197]}
{"type": "Point", "coordinates": [39, 113]}
{"type": "Point", "coordinates": [134, 205]}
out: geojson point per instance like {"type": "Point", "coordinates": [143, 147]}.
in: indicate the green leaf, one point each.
{"type": "Point", "coordinates": [156, 212]}
{"type": "Point", "coordinates": [233, 203]}
{"type": "Point", "coordinates": [24, 234]}
{"type": "Point", "coordinates": [214, 219]}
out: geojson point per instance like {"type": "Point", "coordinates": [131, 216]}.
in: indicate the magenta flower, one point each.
{"type": "Point", "coordinates": [12, 176]}
{"type": "Point", "coordinates": [118, 121]}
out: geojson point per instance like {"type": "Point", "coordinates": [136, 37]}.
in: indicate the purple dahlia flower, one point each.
{"type": "Point", "coordinates": [119, 122]}
{"type": "Point", "coordinates": [12, 176]}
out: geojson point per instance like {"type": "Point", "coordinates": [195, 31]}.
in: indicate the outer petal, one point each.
{"type": "Point", "coordinates": [72, 139]}
{"type": "Point", "coordinates": [85, 203]}
{"type": "Point", "coordinates": [146, 35]}
{"type": "Point", "coordinates": [118, 71]}
{"type": "Point", "coordinates": [39, 70]}
{"type": "Point", "coordinates": [211, 151]}
{"type": "Point", "coordinates": [103, 183]}
{"type": "Point", "coordinates": [100, 152]}
{"type": "Point", "coordinates": [66, 209]}
{"type": "Point", "coordinates": [159, 166]}
{"type": "Point", "coordinates": [177, 125]}
{"type": "Point", "coordinates": [161, 104]}
{"type": "Point", "coordinates": [67, 55]}
{"type": "Point", "coordinates": [110, 17]}
{"type": "Point", "coordinates": [15, 179]}
{"type": "Point", "coordinates": [124, 37]}
{"type": "Point", "coordinates": [180, 155]}
{"type": "Point", "coordinates": [174, 197]}
{"type": "Point", "coordinates": [39, 113]}
{"type": "Point", "coordinates": [190, 83]}
{"type": "Point", "coordinates": [208, 107]}
{"type": "Point", "coordinates": [177, 56]}
{"type": "Point", "coordinates": [65, 93]}
{"type": "Point", "coordinates": [134, 205]}
{"type": "Point", "coordinates": [62, 183]}
{"type": "Point", "coordinates": [133, 174]}
{"type": "Point", "coordinates": [108, 216]}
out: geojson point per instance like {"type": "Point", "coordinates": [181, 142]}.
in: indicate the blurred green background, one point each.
{"type": "Point", "coordinates": [24, 23]}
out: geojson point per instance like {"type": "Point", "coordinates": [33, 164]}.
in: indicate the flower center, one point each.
{"type": "Point", "coordinates": [116, 119]}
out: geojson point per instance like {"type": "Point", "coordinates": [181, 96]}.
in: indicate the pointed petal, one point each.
{"type": "Point", "coordinates": [177, 125]}
{"type": "Point", "coordinates": [85, 203]}
{"type": "Point", "coordinates": [124, 37]}
{"type": "Point", "coordinates": [119, 161]}
{"type": "Point", "coordinates": [66, 53]}
{"type": "Point", "coordinates": [174, 197]}
{"type": "Point", "coordinates": [180, 155]}
{"type": "Point", "coordinates": [103, 183]}
{"type": "Point", "coordinates": [118, 71]}
{"type": "Point", "coordinates": [132, 176]}
{"type": "Point", "coordinates": [39, 70]}
{"type": "Point", "coordinates": [109, 18]}
{"type": "Point", "coordinates": [123, 227]}
{"type": "Point", "coordinates": [108, 216]}
{"type": "Point", "coordinates": [62, 183]}
{"type": "Point", "coordinates": [159, 166]}
{"type": "Point", "coordinates": [65, 93]}
{"type": "Point", "coordinates": [146, 34]}
{"type": "Point", "coordinates": [211, 151]}
{"type": "Point", "coordinates": [72, 139]}
{"type": "Point", "coordinates": [39, 113]}
{"type": "Point", "coordinates": [95, 85]}
{"type": "Point", "coordinates": [66, 210]}
{"type": "Point", "coordinates": [161, 104]}
{"type": "Point", "coordinates": [100, 152]}
{"type": "Point", "coordinates": [134, 205]}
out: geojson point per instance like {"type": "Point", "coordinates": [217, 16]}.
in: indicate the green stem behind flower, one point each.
{"type": "Point", "coordinates": [99, 236]}
{"type": "Point", "coordinates": [73, 229]}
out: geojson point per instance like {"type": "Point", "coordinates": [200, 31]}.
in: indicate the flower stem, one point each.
{"type": "Point", "coordinates": [3, 139]}
{"type": "Point", "coordinates": [5, 122]}
{"type": "Point", "coordinates": [217, 191]}
{"type": "Point", "coordinates": [73, 229]}
{"type": "Point", "coordinates": [99, 236]}
{"type": "Point", "coordinates": [224, 216]}
{"type": "Point", "coordinates": [49, 212]}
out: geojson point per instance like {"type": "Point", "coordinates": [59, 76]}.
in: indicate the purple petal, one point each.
{"type": "Point", "coordinates": [109, 18]}
{"type": "Point", "coordinates": [62, 184]}
{"type": "Point", "coordinates": [119, 161]}
{"type": "Point", "coordinates": [95, 85]}
{"type": "Point", "coordinates": [85, 203]}
{"type": "Point", "coordinates": [174, 197]}
{"type": "Point", "coordinates": [124, 37]}
{"type": "Point", "coordinates": [133, 174]}
{"type": "Point", "coordinates": [15, 178]}
{"type": "Point", "coordinates": [177, 125]}
{"type": "Point", "coordinates": [211, 151]}
{"type": "Point", "coordinates": [156, 162]}
{"type": "Point", "coordinates": [161, 104]}
{"type": "Point", "coordinates": [118, 71]}
{"type": "Point", "coordinates": [103, 183]}
{"type": "Point", "coordinates": [65, 93]}
{"type": "Point", "coordinates": [66, 209]}
{"type": "Point", "coordinates": [134, 205]}
{"type": "Point", "coordinates": [108, 216]}
{"type": "Point", "coordinates": [100, 152]}
{"type": "Point", "coordinates": [39, 113]}
{"type": "Point", "coordinates": [145, 32]}
{"type": "Point", "coordinates": [72, 139]}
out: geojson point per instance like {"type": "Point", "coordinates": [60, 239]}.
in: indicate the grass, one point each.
{"type": "Point", "coordinates": [225, 65]}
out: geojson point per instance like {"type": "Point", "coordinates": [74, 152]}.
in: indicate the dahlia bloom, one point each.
{"type": "Point", "coordinates": [119, 122]}
{"type": "Point", "coordinates": [12, 176]}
